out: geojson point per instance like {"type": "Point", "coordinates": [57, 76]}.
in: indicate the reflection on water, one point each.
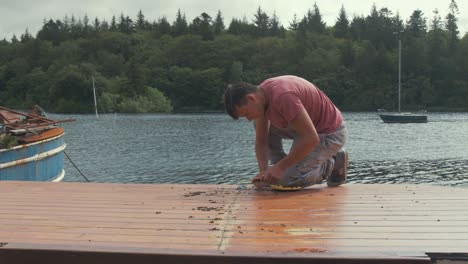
{"type": "Point", "coordinates": [215, 149]}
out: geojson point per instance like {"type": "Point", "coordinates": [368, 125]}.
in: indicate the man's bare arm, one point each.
{"type": "Point", "coordinates": [261, 143]}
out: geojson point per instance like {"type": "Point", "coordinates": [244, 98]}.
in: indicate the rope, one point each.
{"type": "Point", "coordinates": [97, 164]}
{"type": "Point", "coordinates": [76, 166]}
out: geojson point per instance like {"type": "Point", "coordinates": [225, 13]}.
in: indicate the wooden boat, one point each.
{"type": "Point", "coordinates": [37, 153]}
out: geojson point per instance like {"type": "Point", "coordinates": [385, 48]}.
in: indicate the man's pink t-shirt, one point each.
{"type": "Point", "coordinates": [288, 95]}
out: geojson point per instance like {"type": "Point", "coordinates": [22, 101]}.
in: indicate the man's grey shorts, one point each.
{"type": "Point", "coordinates": [316, 166]}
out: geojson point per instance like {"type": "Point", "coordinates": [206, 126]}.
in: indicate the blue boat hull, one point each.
{"type": "Point", "coordinates": [38, 161]}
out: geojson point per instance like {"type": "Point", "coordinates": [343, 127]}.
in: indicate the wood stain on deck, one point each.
{"type": "Point", "coordinates": [390, 222]}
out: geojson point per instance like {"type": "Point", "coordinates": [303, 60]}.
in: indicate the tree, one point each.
{"type": "Point", "coordinates": [37, 82]}
{"type": "Point", "coordinates": [416, 25]}
{"type": "Point", "coordinates": [86, 27]}
{"type": "Point", "coordinates": [437, 48]}
{"type": "Point", "coordinates": [180, 24]}
{"type": "Point", "coordinates": [347, 55]}
{"type": "Point", "coordinates": [125, 24]}
{"type": "Point", "coordinates": [113, 25]}
{"type": "Point", "coordinates": [316, 22]}
{"type": "Point", "coordinates": [275, 29]}
{"type": "Point", "coordinates": [70, 91]}
{"type": "Point", "coordinates": [66, 25]}
{"type": "Point", "coordinates": [354, 62]}
{"type": "Point", "coordinates": [14, 73]}
{"type": "Point", "coordinates": [96, 25]}
{"type": "Point", "coordinates": [75, 28]}
{"type": "Point", "coordinates": [342, 24]}
{"type": "Point", "coordinates": [136, 80]}
{"type": "Point", "coordinates": [235, 75]}
{"type": "Point", "coordinates": [110, 64]}
{"type": "Point", "coordinates": [50, 32]}
{"type": "Point", "coordinates": [294, 24]}
{"type": "Point", "coordinates": [218, 24]}
{"type": "Point", "coordinates": [415, 56]}
{"type": "Point", "coordinates": [451, 25]}
{"type": "Point", "coordinates": [312, 21]}
{"type": "Point", "coordinates": [26, 37]}
{"type": "Point", "coordinates": [163, 26]}
{"type": "Point", "coordinates": [358, 28]}
{"type": "Point", "coordinates": [462, 58]}
{"type": "Point", "coordinates": [262, 23]}
{"type": "Point", "coordinates": [104, 26]}
{"type": "Point", "coordinates": [397, 24]}
{"type": "Point", "coordinates": [436, 24]}
{"type": "Point", "coordinates": [151, 101]}
{"type": "Point", "coordinates": [241, 27]}
{"type": "Point", "coordinates": [202, 26]}
{"type": "Point", "coordinates": [141, 22]}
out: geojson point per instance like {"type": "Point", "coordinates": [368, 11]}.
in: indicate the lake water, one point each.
{"type": "Point", "coordinates": [212, 148]}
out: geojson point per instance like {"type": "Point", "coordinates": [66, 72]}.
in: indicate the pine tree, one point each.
{"type": "Point", "coordinates": [96, 25]}
{"type": "Point", "coordinates": [164, 27]}
{"type": "Point", "coordinates": [140, 23]}
{"type": "Point", "coordinates": [342, 24]}
{"type": "Point", "coordinates": [113, 25]}
{"type": "Point", "coordinates": [218, 24]}
{"type": "Point", "coordinates": [275, 29]}
{"type": "Point", "coordinates": [86, 27]}
{"type": "Point", "coordinates": [317, 23]}
{"type": "Point", "coordinates": [104, 26]}
{"type": "Point", "coordinates": [294, 24]}
{"type": "Point", "coordinates": [26, 37]}
{"type": "Point", "coordinates": [14, 39]}
{"type": "Point", "coordinates": [50, 32]}
{"type": "Point", "coordinates": [436, 24]}
{"type": "Point", "coordinates": [416, 25]}
{"type": "Point", "coordinates": [205, 29]}
{"type": "Point", "coordinates": [66, 24]}
{"type": "Point", "coordinates": [357, 28]}
{"type": "Point", "coordinates": [180, 24]}
{"type": "Point", "coordinates": [451, 25]}
{"type": "Point", "coordinates": [234, 27]}
{"type": "Point", "coordinates": [262, 23]}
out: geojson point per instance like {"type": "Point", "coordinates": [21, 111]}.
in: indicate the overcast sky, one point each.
{"type": "Point", "coordinates": [18, 15]}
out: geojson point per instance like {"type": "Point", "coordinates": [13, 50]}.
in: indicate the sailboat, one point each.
{"type": "Point", "coordinates": [400, 117]}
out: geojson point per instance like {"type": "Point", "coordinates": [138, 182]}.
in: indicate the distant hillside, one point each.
{"type": "Point", "coordinates": [141, 66]}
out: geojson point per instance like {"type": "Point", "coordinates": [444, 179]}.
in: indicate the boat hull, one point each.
{"type": "Point", "coordinates": [403, 118]}
{"type": "Point", "coordinates": [36, 161]}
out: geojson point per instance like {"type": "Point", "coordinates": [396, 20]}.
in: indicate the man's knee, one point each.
{"type": "Point", "coordinates": [302, 181]}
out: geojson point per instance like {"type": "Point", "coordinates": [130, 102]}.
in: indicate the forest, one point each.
{"type": "Point", "coordinates": [158, 66]}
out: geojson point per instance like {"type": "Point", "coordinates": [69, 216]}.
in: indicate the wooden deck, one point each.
{"type": "Point", "coordinates": [122, 223]}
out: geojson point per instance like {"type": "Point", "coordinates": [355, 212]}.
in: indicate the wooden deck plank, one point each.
{"type": "Point", "coordinates": [52, 230]}
{"type": "Point", "coordinates": [348, 222]}
{"type": "Point", "coordinates": [210, 238]}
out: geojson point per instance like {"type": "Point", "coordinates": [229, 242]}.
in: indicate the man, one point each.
{"type": "Point", "coordinates": [293, 108]}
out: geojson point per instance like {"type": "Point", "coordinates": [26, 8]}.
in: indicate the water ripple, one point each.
{"type": "Point", "coordinates": [213, 149]}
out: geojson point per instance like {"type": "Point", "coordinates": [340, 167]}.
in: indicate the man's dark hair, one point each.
{"type": "Point", "coordinates": [234, 96]}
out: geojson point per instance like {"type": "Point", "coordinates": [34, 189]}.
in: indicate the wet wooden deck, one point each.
{"type": "Point", "coordinates": [119, 223]}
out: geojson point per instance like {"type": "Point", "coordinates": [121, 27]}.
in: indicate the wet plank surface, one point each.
{"type": "Point", "coordinates": [349, 222]}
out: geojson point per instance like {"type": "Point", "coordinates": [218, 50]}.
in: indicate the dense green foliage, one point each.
{"type": "Point", "coordinates": [140, 66]}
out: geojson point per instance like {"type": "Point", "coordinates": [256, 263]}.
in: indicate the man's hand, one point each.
{"type": "Point", "coordinates": [271, 176]}
{"type": "Point", "coordinates": [258, 181]}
